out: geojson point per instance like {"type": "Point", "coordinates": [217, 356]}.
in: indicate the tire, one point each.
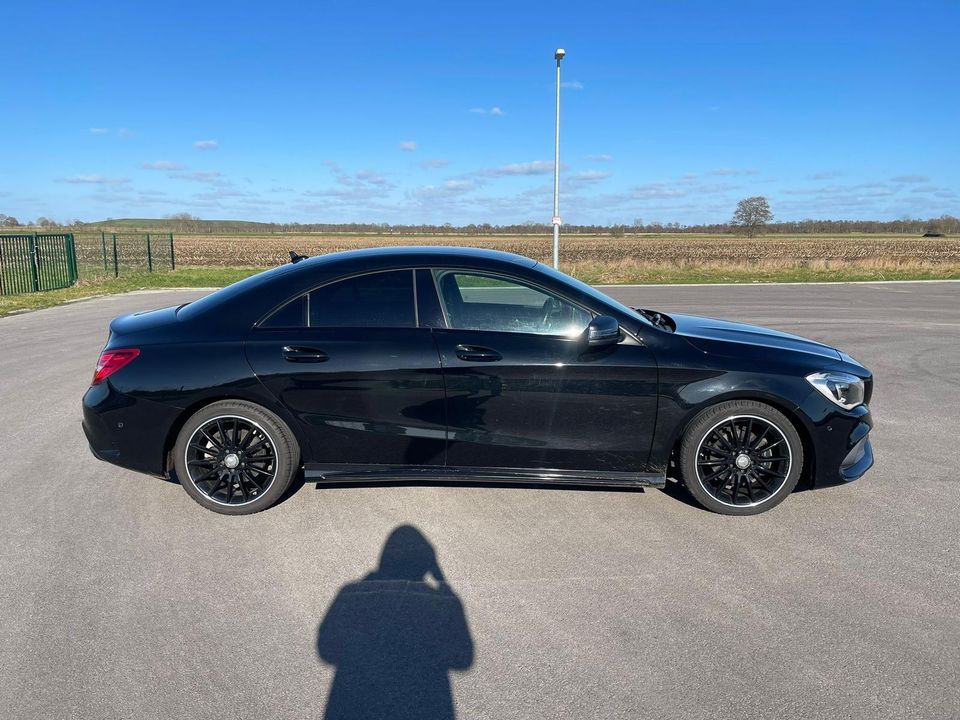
{"type": "Point", "coordinates": [235, 457]}
{"type": "Point", "coordinates": [741, 457]}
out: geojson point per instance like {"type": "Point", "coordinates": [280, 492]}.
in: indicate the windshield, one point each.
{"type": "Point", "coordinates": [591, 291]}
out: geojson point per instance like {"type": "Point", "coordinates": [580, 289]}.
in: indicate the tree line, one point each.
{"type": "Point", "coordinates": [183, 223]}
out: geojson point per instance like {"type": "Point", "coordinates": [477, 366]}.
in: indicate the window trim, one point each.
{"type": "Point", "coordinates": [436, 271]}
{"type": "Point", "coordinates": [350, 276]}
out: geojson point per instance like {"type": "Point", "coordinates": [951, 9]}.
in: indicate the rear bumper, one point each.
{"type": "Point", "coordinates": [127, 431]}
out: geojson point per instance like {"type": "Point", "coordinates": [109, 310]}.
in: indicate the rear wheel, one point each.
{"type": "Point", "coordinates": [741, 457]}
{"type": "Point", "coordinates": [235, 457]}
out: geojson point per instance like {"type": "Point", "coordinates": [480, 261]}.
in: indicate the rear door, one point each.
{"type": "Point", "coordinates": [523, 390]}
{"type": "Point", "coordinates": [350, 363]}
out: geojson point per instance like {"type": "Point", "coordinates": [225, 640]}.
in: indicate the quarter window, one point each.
{"type": "Point", "coordinates": [476, 301]}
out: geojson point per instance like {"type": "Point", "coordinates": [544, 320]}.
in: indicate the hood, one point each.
{"type": "Point", "coordinates": [147, 320]}
{"type": "Point", "coordinates": [703, 333]}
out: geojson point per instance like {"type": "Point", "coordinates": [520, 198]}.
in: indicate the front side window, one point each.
{"type": "Point", "coordinates": [477, 301]}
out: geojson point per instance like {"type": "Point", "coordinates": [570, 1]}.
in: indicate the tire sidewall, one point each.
{"type": "Point", "coordinates": [283, 442]}
{"type": "Point", "coordinates": [709, 418]}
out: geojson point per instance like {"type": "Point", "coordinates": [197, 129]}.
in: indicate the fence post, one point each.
{"type": "Point", "coordinates": [34, 275]}
{"type": "Point", "coordinates": [149, 255]}
{"type": "Point", "coordinates": [103, 246]}
{"type": "Point", "coordinates": [116, 265]}
{"type": "Point", "coordinates": [173, 261]}
{"type": "Point", "coordinates": [71, 248]}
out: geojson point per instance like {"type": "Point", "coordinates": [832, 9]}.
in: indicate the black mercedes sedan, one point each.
{"type": "Point", "coordinates": [440, 363]}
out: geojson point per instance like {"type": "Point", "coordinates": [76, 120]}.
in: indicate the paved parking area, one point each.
{"type": "Point", "coordinates": [122, 598]}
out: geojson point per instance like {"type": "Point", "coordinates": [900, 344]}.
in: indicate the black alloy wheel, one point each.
{"type": "Point", "coordinates": [743, 460]}
{"type": "Point", "coordinates": [741, 457]}
{"type": "Point", "coordinates": [231, 460]}
{"type": "Point", "coordinates": [235, 457]}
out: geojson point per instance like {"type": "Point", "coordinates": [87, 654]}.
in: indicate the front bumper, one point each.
{"type": "Point", "coordinates": [842, 451]}
{"type": "Point", "coordinates": [860, 457]}
{"type": "Point", "coordinates": [127, 430]}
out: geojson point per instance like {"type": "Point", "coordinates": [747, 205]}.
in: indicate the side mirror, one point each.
{"type": "Point", "coordinates": [603, 330]}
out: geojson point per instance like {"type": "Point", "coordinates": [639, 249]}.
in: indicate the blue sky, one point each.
{"type": "Point", "coordinates": [443, 112]}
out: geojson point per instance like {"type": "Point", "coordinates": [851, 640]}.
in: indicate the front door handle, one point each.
{"type": "Point", "coordinates": [296, 353]}
{"type": "Point", "coordinates": [476, 353]}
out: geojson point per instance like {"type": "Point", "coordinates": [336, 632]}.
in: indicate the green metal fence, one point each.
{"type": "Point", "coordinates": [36, 262]}
{"type": "Point", "coordinates": [106, 255]}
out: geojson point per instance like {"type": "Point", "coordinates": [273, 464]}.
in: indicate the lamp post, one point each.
{"type": "Point", "coordinates": [558, 56]}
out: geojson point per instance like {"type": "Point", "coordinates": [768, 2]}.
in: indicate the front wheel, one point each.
{"type": "Point", "coordinates": [741, 457]}
{"type": "Point", "coordinates": [235, 457]}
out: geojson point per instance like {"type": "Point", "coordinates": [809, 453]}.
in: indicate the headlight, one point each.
{"type": "Point", "coordinates": [844, 389]}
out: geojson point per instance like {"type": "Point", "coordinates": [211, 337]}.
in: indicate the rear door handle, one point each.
{"type": "Point", "coordinates": [296, 353]}
{"type": "Point", "coordinates": [476, 353]}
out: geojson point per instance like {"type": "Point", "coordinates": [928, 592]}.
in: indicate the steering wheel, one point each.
{"type": "Point", "coordinates": [550, 306]}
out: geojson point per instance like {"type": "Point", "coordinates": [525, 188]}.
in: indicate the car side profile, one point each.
{"type": "Point", "coordinates": [438, 363]}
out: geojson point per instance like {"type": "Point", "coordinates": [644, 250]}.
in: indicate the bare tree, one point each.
{"type": "Point", "coordinates": [9, 221]}
{"type": "Point", "coordinates": [752, 214]}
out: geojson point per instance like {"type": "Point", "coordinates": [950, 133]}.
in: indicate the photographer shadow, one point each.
{"type": "Point", "coordinates": [394, 636]}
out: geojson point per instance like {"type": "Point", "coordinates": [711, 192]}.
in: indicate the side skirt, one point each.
{"type": "Point", "coordinates": [413, 473]}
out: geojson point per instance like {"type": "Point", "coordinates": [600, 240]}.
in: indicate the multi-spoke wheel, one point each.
{"type": "Point", "coordinates": [235, 457]}
{"type": "Point", "coordinates": [741, 457]}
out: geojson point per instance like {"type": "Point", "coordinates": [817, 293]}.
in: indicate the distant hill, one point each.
{"type": "Point", "coordinates": [173, 225]}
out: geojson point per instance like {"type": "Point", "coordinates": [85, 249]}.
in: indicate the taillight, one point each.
{"type": "Point", "coordinates": [112, 360]}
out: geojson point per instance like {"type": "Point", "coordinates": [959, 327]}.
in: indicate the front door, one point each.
{"type": "Point", "coordinates": [349, 362]}
{"type": "Point", "coordinates": [523, 390]}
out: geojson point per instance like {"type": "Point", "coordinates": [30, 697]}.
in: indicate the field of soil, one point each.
{"type": "Point", "coordinates": [260, 250]}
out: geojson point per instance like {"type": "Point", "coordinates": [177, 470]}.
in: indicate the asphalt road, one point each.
{"type": "Point", "coordinates": [122, 598]}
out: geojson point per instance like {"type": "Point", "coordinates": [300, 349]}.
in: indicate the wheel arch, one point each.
{"type": "Point", "coordinates": [790, 410]}
{"type": "Point", "coordinates": [199, 404]}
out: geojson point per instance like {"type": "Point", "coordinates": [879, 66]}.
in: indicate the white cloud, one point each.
{"type": "Point", "coordinates": [534, 167]}
{"type": "Point", "coordinates": [726, 171]}
{"type": "Point", "coordinates": [450, 188]}
{"type": "Point", "coordinates": [161, 165]}
{"type": "Point", "coordinates": [495, 110]}
{"type": "Point", "coordinates": [657, 190]}
{"type": "Point", "coordinates": [603, 157]}
{"type": "Point", "coordinates": [587, 177]}
{"type": "Point", "coordinates": [360, 178]}
{"type": "Point", "coordinates": [572, 84]}
{"type": "Point", "coordinates": [408, 145]}
{"type": "Point", "coordinates": [910, 179]}
{"type": "Point", "coordinates": [208, 176]}
{"type": "Point", "coordinates": [434, 163]}
{"type": "Point", "coordinates": [206, 144]}
{"type": "Point", "coordinates": [95, 180]}
{"type": "Point", "coordinates": [371, 177]}
{"type": "Point", "coordinates": [825, 175]}
{"type": "Point", "coordinates": [99, 131]}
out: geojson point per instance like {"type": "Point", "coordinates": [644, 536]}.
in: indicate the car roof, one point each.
{"type": "Point", "coordinates": [420, 254]}
{"type": "Point", "coordinates": [259, 292]}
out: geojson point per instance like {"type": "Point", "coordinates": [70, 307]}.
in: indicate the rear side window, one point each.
{"type": "Point", "coordinates": [376, 300]}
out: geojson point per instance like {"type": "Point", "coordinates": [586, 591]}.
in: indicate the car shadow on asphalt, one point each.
{"type": "Point", "coordinates": [394, 635]}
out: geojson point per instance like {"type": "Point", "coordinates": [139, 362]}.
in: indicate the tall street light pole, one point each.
{"type": "Point", "coordinates": [556, 169]}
